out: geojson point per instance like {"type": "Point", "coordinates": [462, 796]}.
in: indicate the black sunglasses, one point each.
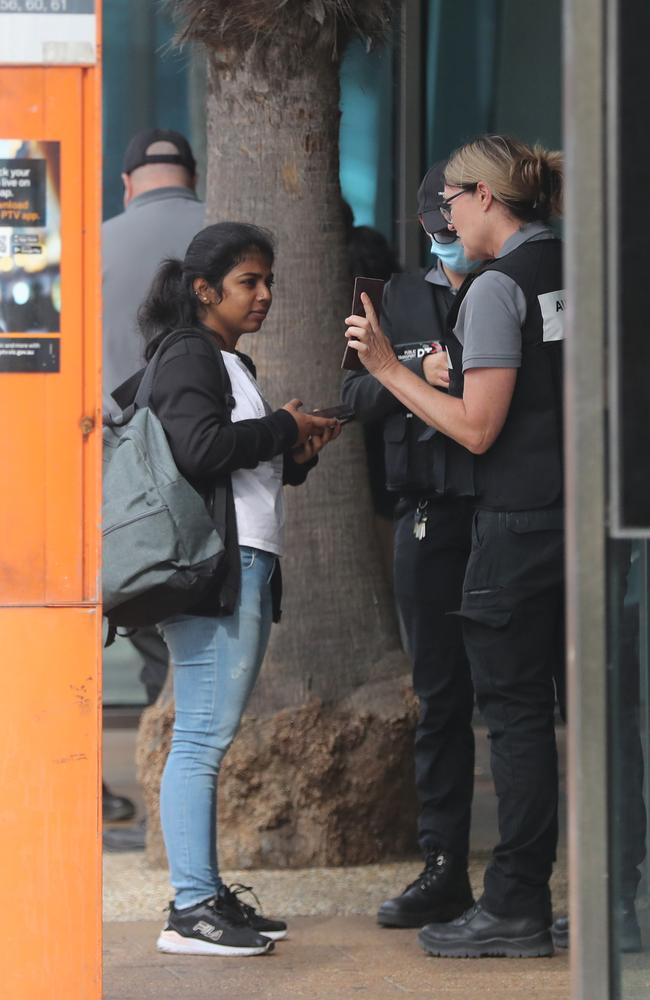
{"type": "Point", "coordinates": [444, 236]}
{"type": "Point", "coordinates": [445, 206]}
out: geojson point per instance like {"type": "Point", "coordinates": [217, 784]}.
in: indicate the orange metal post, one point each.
{"type": "Point", "coordinates": [50, 620]}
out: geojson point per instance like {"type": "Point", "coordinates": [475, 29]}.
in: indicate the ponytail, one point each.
{"type": "Point", "coordinates": [170, 305]}
{"type": "Point", "coordinates": [541, 177]}
{"type": "Point", "coordinates": [528, 180]}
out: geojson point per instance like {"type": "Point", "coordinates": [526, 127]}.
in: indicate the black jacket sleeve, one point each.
{"type": "Point", "coordinates": [191, 397]}
{"type": "Point", "coordinates": [361, 390]}
{"type": "Point", "coordinates": [295, 473]}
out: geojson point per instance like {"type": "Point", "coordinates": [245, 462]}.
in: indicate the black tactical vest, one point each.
{"type": "Point", "coordinates": [523, 468]}
{"type": "Point", "coordinates": [419, 460]}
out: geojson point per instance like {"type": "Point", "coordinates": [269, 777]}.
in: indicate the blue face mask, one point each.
{"type": "Point", "coordinates": [453, 256]}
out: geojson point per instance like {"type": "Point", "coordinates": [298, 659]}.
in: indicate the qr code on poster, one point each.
{"type": "Point", "coordinates": [4, 245]}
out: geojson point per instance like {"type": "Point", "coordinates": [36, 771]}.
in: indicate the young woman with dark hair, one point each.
{"type": "Point", "coordinates": [237, 452]}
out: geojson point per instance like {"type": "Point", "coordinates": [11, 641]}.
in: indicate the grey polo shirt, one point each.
{"type": "Point", "coordinates": [155, 225]}
{"type": "Point", "coordinates": [436, 276]}
{"type": "Point", "coordinates": [493, 312]}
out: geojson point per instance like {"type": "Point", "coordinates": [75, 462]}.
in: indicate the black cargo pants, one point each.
{"type": "Point", "coordinates": [513, 625]}
{"type": "Point", "coordinates": [428, 577]}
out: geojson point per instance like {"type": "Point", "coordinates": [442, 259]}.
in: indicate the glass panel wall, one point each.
{"type": "Point", "coordinates": [488, 65]}
{"type": "Point", "coordinates": [147, 84]}
{"type": "Point", "coordinates": [629, 489]}
{"type": "Point", "coordinates": [629, 713]}
{"type": "Point", "coordinates": [366, 136]}
{"type": "Point", "coordinates": [491, 66]}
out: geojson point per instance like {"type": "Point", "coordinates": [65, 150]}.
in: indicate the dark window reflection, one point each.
{"type": "Point", "coordinates": [628, 700]}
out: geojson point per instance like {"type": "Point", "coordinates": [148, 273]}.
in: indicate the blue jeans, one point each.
{"type": "Point", "coordinates": [216, 663]}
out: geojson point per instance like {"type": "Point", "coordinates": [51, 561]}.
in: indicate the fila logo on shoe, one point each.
{"type": "Point", "coordinates": [207, 930]}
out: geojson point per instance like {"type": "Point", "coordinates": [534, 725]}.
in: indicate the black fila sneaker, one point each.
{"type": "Point", "coordinates": [244, 913]}
{"type": "Point", "coordinates": [209, 929]}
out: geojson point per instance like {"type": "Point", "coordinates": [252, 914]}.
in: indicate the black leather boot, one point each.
{"type": "Point", "coordinates": [478, 932]}
{"type": "Point", "coordinates": [560, 932]}
{"type": "Point", "coordinates": [439, 893]}
{"type": "Point", "coordinates": [629, 930]}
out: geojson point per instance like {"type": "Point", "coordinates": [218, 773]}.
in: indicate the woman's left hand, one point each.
{"type": "Point", "coordinates": [305, 452]}
{"type": "Point", "coordinates": [366, 336]}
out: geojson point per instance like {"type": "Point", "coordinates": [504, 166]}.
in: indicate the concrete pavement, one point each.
{"type": "Point", "coordinates": [324, 958]}
{"type": "Point", "coordinates": [336, 952]}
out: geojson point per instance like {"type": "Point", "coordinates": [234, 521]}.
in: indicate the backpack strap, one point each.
{"type": "Point", "coordinates": [143, 394]}
{"type": "Point", "coordinates": [112, 633]}
{"type": "Point", "coordinates": [216, 499]}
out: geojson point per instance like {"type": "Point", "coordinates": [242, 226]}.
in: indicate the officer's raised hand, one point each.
{"type": "Point", "coordinates": [366, 336]}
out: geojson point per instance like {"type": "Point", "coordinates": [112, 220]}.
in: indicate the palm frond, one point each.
{"type": "Point", "coordinates": [257, 26]}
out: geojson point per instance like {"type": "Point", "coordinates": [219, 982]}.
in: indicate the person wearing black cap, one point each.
{"type": "Point", "coordinates": [161, 215]}
{"type": "Point", "coordinates": [431, 547]}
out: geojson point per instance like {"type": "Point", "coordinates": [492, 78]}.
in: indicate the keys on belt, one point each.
{"type": "Point", "coordinates": [420, 519]}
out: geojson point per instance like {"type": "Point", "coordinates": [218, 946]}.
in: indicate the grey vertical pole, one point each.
{"type": "Point", "coordinates": [644, 664]}
{"type": "Point", "coordinates": [584, 138]}
{"type": "Point", "coordinates": [409, 132]}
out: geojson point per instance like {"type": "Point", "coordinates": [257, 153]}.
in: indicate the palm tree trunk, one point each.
{"type": "Point", "coordinates": [273, 160]}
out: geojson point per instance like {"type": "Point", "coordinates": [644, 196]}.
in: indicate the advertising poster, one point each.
{"type": "Point", "coordinates": [30, 255]}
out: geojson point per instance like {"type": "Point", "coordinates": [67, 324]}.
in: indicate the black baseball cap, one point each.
{"type": "Point", "coordinates": [136, 154]}
{"type": "Point", "coordinates": [430, 196]}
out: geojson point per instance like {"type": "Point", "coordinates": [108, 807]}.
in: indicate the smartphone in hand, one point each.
{"type": "Point", "coordinates": [341, 412]}
{"type": "Point", "coordinates": [374, 288]}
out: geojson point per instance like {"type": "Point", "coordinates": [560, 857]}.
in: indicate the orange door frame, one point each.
{"type": "Point", "coordinates": [50, 617]}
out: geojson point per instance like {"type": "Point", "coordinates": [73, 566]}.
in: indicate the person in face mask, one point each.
{"type": "Point", "coordinates": [432, 540]}
{"type": "Point", "coordinates": [451, 255]}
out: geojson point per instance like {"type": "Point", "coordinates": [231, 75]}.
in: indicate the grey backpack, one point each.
{"type": "Point", "coordinates": [161, 547]}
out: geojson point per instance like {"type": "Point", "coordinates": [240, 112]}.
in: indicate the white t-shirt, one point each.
{"type": "Point", "coordinates": [259, 504]}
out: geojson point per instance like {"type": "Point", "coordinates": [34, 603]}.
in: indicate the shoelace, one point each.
{"type": "Point", "coordinates": [468, 915]}
{"type": "Point", "coordinates": [231, 897]}
{"type": "Point", "coordinates": [430, 873]}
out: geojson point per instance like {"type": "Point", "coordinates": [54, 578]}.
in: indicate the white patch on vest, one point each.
{"type": "Point", "coordinates": [553, 305]}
